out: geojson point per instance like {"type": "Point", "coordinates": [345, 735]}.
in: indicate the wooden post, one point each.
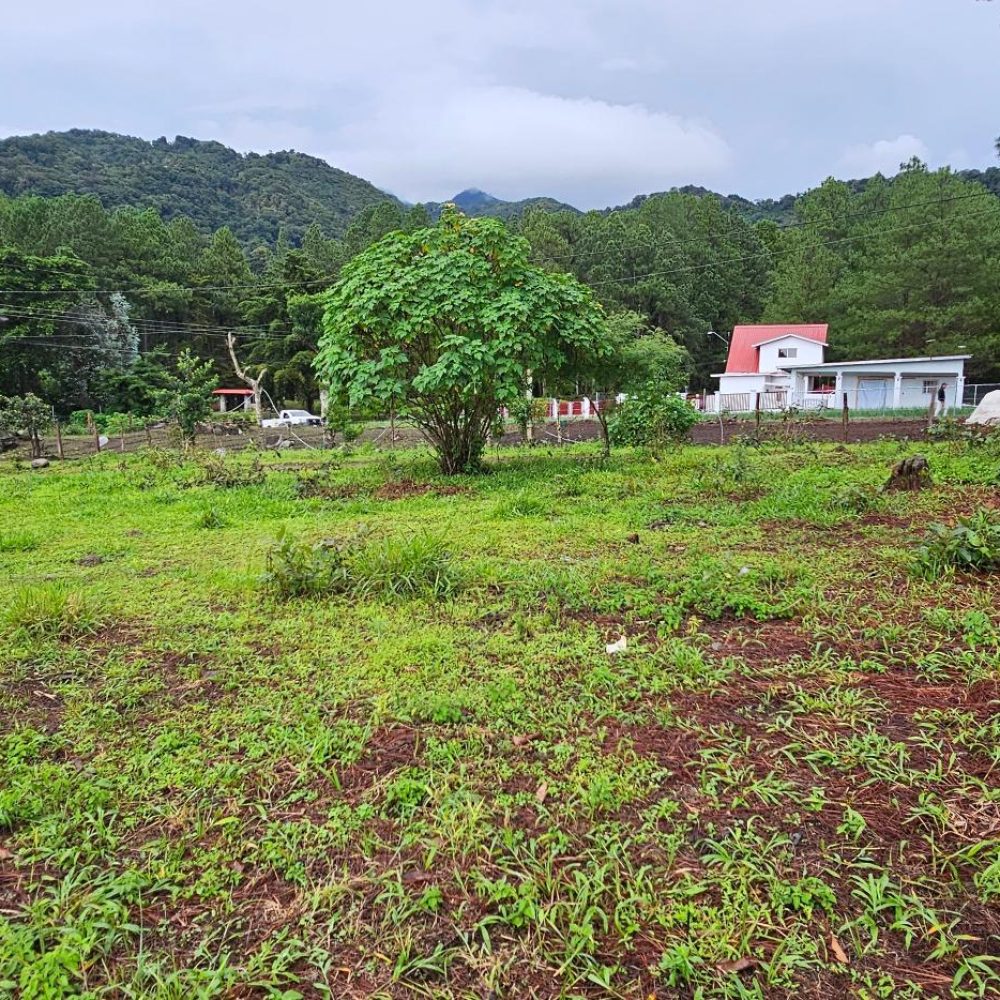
{"type": "Point", "coordinates": [122, 434]}
{"type": "Point", "coordinates": [59, 447]}
{"type": "Point", "coordinates": [845, 416]}
{"type": "Point", "coordinates": [149, 436]}
{"type": "Point", "coordinates": [756, 411]}
{"type": "Point", "coordinates": [392, 426]}
{"type": "Point", "coordinates": [97, 437]}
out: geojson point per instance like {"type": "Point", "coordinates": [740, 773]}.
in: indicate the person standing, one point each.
{"type": "Point", "coordinates": [942, 401]}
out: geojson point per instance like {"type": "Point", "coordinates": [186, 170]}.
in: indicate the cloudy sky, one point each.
{"type": "Point", "coordinates": [591, 101]}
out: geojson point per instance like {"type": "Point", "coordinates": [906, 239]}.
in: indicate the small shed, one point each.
{"type": "Point", "coordinates": [234, 399]}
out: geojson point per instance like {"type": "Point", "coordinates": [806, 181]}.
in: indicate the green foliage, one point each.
{"type": "Point", "coordinates": [212, 185]}
{"type": "Point", "coordinates": [445, 324]}
{"type": "Point", "coordinates": [187, 394]}
{"type": "Point", "coordinates": [652, 418]}
{"type": "Point", "coordinates": [18, 541]}
{"type": "Point", "coordinates": [971, 545]}
{"type": "Point", "coordinates": [301, 569]}
{"type": "Point", "coordinates": [416, 566]}
{"type": "Point", "coordinates": [48, 609]}
{"type": "Point", "coordinates": [26, 415]}
{"type": "Point", "coordinates": [404, 567]}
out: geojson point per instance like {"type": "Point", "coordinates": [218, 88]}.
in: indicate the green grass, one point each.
{"type": "Point", "coordinates": [321, 725]}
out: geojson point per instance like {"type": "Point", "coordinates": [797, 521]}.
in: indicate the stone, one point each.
{"type": "Point", "coordinates": [39, 463]}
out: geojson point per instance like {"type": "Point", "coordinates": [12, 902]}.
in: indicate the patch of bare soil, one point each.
{"type": "Point", "coordinates": [404, 488]}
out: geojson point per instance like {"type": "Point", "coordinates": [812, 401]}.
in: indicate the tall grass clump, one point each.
{"type": "Point", "coordinates": [18, 541]}
{"type": "Point", "coordinates": [417, 566]}
{"type": "Point", "coordinates": [48, 610]}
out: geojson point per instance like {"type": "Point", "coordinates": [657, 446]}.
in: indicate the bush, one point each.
{"type": "Point", "coordinates": [48, 609]}
{"type": "Point", "coordinates": [302, 569]}
{"type": "Point", "coordinates": [214, 470]}
{"type": "Point", "coordinates": [652, 418]}
{"type": "Point", "coordinates": [971, 545]}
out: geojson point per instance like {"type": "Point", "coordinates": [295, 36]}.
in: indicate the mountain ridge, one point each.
{"type": "Point", "coordinates": [261, 196]}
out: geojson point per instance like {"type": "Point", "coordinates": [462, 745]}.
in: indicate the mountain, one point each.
{"type": "Point", "coordinates": [256, 195]}
{"type": "Point", "coordinates": [472, 201]}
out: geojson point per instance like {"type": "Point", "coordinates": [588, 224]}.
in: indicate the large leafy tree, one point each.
{"type": "Point", "coordinates": [446, 324]}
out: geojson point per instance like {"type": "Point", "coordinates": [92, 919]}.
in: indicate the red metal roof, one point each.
{"type": "Point", "coordinates": [232, 392]}
{"type": "Point", "coordinates": [744, 357]}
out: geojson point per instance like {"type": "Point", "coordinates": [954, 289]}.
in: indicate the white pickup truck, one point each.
{"type": "Point", "coordinates": [293, 418]}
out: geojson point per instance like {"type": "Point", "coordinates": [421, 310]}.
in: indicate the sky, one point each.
{"type": "Point", "coordinates": [588, 101]}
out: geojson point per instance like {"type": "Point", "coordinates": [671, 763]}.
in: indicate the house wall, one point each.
{"type": "Point", "coordinates": [875, 387]}
{"type": "Point", "coordinates": [808, 353]}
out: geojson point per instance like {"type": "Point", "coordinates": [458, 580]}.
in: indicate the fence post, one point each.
{"type": "Point", "coordinates": [845, 416]}
{"type": "Point", "coordinates": [756, 410]}
{"type": "Point", "coordinates": [97, 437]}
{"type": "Point", "coordinates": [59, 447]}
{"type": "Point", "coordinates": [149, 436]}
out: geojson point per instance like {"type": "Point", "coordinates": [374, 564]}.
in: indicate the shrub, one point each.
{"type": "Point", "coordinates": [303, 569]}
{"type": "Point", "coordinates": [216, 471]}
{"type": "Point", "coordinates": [406, 567]}
{"type": "Point", "coordinates": [48, 609]}
{"type": "Point", "coordinates": [210, 519]}
{"type": "Point", "coordinates": [652, 419]}
{"type": "Point", "coordinates": [971, 545]}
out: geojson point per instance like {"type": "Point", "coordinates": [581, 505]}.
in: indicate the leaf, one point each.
{"type": "Point", "coordinates": [737, 964]}
{"type": "Point", "coordinates": [838, 950]}
{"type": "Point", "coordinates": [541, 792]}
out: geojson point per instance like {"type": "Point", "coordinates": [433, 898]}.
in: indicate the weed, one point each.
{"type": "Point", "coordinates": [49, 610]}
{"type": "Point", "coordinates": [300, 569]}
{"type": "Point", "coordinates": [418, 566]}
{"type": "Point", "coordinates": [18, 541]}
{"type": "Point", "coordinates": [210, 519]}
{"type": "Point", "coordinates": [971, 545]}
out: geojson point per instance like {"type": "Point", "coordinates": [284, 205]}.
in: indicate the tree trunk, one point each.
{"type": "Point", "coordinates": [253, 383]}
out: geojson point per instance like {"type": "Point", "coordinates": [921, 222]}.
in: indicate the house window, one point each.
{"type": "Point", "coordinates": [930, 386]}
{"type": "Point", "coordinates": [788, 352]}
{"type": "Point", "coordinates": [822, 383]}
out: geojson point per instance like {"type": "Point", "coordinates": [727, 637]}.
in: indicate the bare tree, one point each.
{"type": "Point", "coordinates": [253, 383]}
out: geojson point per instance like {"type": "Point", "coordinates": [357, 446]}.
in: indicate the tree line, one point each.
{"type": "Point", "coordinates": [98, 304]}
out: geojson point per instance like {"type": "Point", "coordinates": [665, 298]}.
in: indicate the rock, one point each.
{"type": "Point", "coordinates": [39, 463]}
{"type": "Point", "coordinates": [221, 452]}
{"type": "Point", "coordinates": [617, 647]}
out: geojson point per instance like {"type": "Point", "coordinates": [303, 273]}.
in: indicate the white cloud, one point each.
{"type": "Point", "coordinates": [883, 156]}
{"type": "Point", "coordinates": [515, 143]}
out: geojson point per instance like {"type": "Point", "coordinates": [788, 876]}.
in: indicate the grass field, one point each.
{"type": "Point", "coordinates": [406, 764]}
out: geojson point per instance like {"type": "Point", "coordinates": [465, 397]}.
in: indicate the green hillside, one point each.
{"type": "Point", "coordinates": [254, 195]}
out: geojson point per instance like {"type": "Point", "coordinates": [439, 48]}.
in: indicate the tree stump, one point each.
{"type": "Point", "coordinates": [910, 474]}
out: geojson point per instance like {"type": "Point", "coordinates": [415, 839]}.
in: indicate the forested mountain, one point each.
{"type": "Point", "coordinates": [472, 201]}
{"type": "Point", "coordinates": [255, 195]}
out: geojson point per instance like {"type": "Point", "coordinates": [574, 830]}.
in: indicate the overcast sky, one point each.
{"type": "Point", "coordinates": [584, 100]}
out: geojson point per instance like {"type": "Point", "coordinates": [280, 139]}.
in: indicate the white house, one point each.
{"type": "Point", "coordinates": [785, 365]}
